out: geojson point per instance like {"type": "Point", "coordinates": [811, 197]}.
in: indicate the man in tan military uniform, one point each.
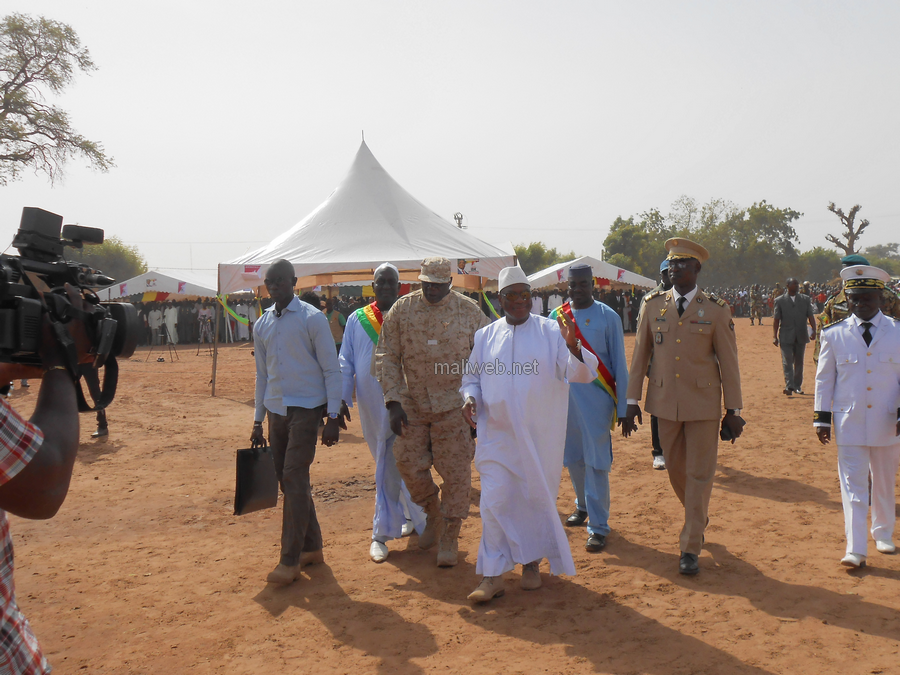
{"type": "Point", "coordinates": [688, 339]}
{"type": "Point", "coordinates": [836, 308]}
{"type": "Point", "coordinates": [425, 342]}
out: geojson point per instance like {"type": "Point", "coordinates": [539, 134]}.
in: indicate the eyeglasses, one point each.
{"type": "Point", "coordinates": [512, 296]}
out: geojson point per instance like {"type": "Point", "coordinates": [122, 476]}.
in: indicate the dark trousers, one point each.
{"type": "Point", "coordinates": [293, 440]}
{"type": "Point", "coordinates": [792, 362]}
{"type": "Point", "coordinates": [654, 436]}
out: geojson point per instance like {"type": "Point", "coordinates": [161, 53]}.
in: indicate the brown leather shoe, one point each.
{"type": "Point", "coordinates": [283, 574]}
{"type": "Point", "coordinates": [311, 558]}
{"type": "Point", "coordinates": [488, 589]}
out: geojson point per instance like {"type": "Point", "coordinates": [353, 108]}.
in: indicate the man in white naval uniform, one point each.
{"type": "Point", "coordinates": [858, 395]}
{"type": "Point", "coordinates": [516, 390]}
{"type": "Point", "coordinates": [395, 513]}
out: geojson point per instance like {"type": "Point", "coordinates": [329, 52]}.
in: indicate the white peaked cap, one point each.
{"type": "Point", "coordinates": [510, 276]}
{"type": "Point", "coordinates": [865, 272]}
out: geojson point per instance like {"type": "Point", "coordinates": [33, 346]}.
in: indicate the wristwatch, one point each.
{"type": "Point", "coordinates": [332, 416]}
{"type": "Point", "coordinates": [734, 411]}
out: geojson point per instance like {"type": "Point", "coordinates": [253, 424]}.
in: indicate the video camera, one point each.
{"type": "Point", "coordinates": [32, 283]}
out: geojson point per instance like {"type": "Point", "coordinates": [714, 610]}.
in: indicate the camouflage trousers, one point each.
{"type": "Point", "coordinates": [756, 312]}
{"type": "Point", "coordinates": [444, 441]}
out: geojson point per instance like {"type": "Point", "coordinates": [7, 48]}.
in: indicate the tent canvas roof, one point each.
{"type": "Point", "coordinates": [174, 282]}
{"type": "Point", "coordinates": [559, 273]}
{"type": "Point", "coordinates": [368, 219]}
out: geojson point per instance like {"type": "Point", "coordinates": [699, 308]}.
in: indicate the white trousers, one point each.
{"type": "Point", "coordinates": [854, 464]}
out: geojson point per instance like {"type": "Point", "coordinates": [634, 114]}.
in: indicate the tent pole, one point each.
{"type": "Point", "coordinates": [216, 348]}
{"type": "Point", "coordinates": [216, 340]}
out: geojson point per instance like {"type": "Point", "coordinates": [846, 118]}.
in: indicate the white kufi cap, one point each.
{"type": "Point", "coordinates": [510, 276]}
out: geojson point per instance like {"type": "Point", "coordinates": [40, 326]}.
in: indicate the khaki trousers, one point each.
{"type": "Point", "coordinates": [690, 450]}
{"type": "Point", "coordinates": [442, 440]}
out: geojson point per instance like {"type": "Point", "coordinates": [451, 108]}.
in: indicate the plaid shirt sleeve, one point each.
{"type": "Point", "coordinates": [19, 441]}
{"type": "Point", "coordinates": [19, 649]}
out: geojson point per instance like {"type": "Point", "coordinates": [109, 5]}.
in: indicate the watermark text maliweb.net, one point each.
{"type": "Point", "coordinates": [496, 367]}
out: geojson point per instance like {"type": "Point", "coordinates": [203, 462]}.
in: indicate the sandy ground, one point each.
{"type": "Point", "coordinates": [146, 570]}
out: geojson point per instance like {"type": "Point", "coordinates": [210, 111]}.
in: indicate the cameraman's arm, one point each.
{"type": "Point", "coordinates": [40, 488]}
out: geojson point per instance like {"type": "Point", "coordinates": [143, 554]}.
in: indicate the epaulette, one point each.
{"type": "Point", "coordinates": [835, 323]}
{"type": "Point", "coordinates": [716, 299]}
{"type": "Point", "coordinates": [652, 294]}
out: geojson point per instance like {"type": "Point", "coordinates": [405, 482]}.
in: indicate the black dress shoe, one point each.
{"type": "Point", "coordinates": [787, 392]}
{"type": "Point", "coordinates": [576, 519]}
{"type": "Point", "coordinates": [689, 564]}
{"type": "Point", "coordinates": [596, 542]}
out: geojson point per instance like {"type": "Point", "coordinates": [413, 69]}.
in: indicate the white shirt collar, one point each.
{"type": "Point", "coordinates": [689, 297]}
{"type": "Point", "coordinates": [875, 320]}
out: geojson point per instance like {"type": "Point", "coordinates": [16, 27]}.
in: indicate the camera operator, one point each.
{"type": "Point", "coordinates": [36, 460]}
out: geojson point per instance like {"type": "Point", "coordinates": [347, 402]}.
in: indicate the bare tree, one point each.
{"type": "Point", "coordinates": [849, 238]}
{"type": "Point", "coordinates": [37, 56]}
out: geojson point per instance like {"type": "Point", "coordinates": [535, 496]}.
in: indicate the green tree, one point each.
{"type": "Point", "coordinates": [883, 251]}
{"type": "Point", "coordinates": [112, 257]}
{"type": "Point", "coordinates": [37, 56]}
{"type": "Point", "coordinates": [756, 245]}
{"type": "Point", "coordinates": [636, 247]}
{"type": "Point", "coordinates": [820, 265]}
{"type": "Point", "coordinates": [753, 245]}
{"type": "Point", "coordinates": [536, 256]}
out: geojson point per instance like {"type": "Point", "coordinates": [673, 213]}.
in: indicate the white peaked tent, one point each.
{"type": "Point", "coordinates": [368, 220]}
{"type": "Point", "coordinates": [174, 283]}
{"type": "Point", "coordinates": [616, 275]}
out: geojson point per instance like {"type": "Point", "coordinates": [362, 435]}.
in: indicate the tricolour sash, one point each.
{"type": "Point", "coordinates": [604, 380]}
{"type": "Point", "coordinates": [370, 319]}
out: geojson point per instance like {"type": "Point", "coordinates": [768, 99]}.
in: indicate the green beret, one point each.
{"type": "Point", "coordinates": [854, 259]}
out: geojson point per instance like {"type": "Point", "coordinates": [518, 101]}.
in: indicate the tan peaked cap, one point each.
{"type": "Point", "coordinates": [680, 248]}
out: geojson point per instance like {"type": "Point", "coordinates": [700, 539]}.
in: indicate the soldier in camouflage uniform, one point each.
{"type": "Point", "coordinates": [425, 341]}
{"type": "Point", "coordinates": [756, 304]}
{"type": "Point", "coordinates": [836, 306]}
{"type": "Point", "coordinates": [777, 292]}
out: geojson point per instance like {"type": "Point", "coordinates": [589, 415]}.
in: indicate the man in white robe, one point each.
{"type": "Point", "coordinates": [516, 391]}
{"type": "Point", "coordinates": [170, 317]}
{"type": "Point", "coordinates": [395, 513]}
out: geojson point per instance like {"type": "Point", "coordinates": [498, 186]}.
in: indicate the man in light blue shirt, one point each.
{"type": "Point", "coordinates": [297, 375]}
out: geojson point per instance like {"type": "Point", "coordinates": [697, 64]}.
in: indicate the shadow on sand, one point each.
{"type": "Point", "coordinates": [592, 626]}
{"type": "Point", "coordinates": [785, 490]}
{"type": "Point", "coordinates": [369, 627]}
{"type": "Point", "coordinates": [735, 577]}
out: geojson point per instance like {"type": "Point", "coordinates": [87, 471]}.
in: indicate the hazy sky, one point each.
{"type": "Point", "coordinates": [540, 121]}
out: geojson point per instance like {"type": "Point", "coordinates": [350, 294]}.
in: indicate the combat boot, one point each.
{"type": "Point", "coordinates": [448, 549]}
{"type": "Point", "coordinates": [433, 522]}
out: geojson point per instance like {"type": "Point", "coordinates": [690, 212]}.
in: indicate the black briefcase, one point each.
{"type": "Point", "coordinates": [255, 486]}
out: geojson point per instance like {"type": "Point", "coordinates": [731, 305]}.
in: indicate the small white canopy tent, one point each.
{"type": "Point", "coordinates": [618, 277]}
{"type": "Point", "coordinates": [174, 283]}
{"type": "Point", "coordinates": [368, 220]}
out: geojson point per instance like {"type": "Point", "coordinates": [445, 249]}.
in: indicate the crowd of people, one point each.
{"type": "Point", "coordinates": [541, 381]}
{"type": "Point", "coordinates": [542, 378]}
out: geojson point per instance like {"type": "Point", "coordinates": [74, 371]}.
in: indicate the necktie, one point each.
{"type": "Point", "coordinates": [867, 336]}
{"type": "Point", "coordinates": [681, 302]}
